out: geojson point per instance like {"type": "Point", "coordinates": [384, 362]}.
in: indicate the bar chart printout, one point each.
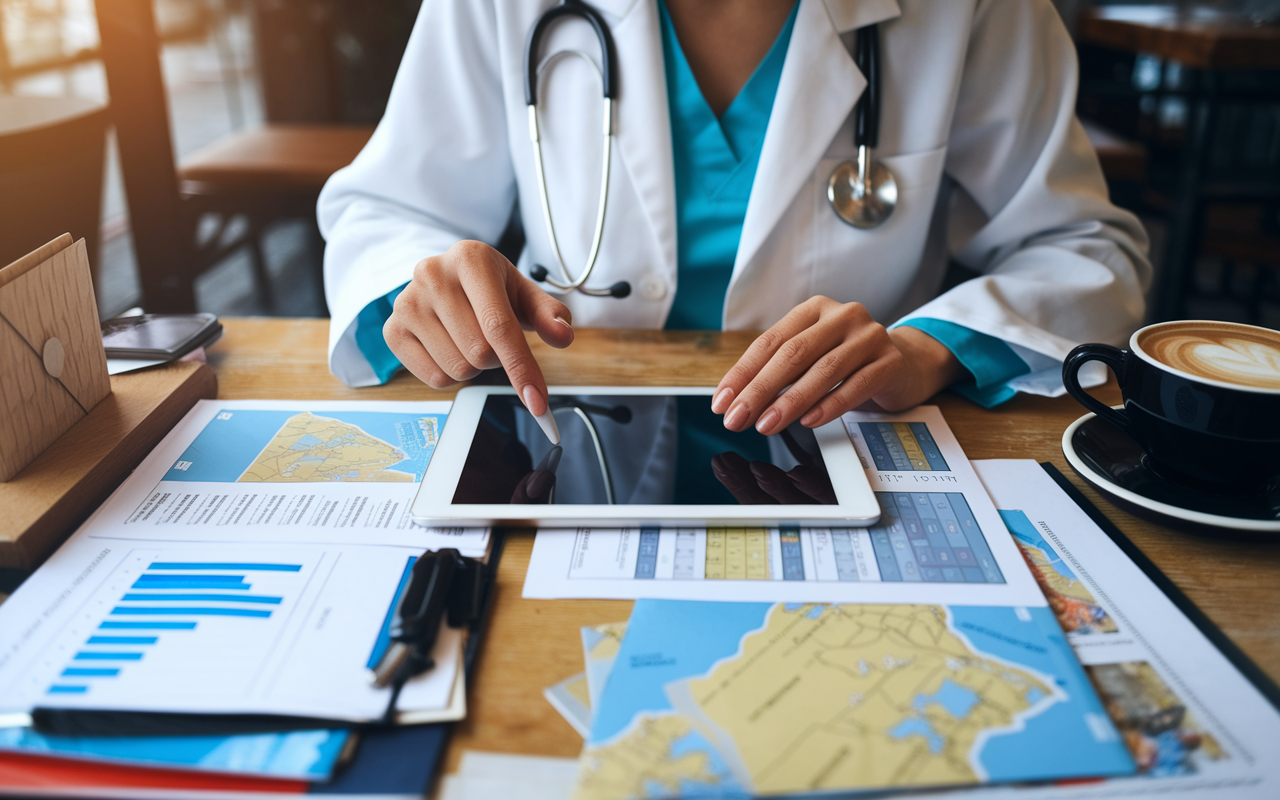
{"type": "Point", "coordinates": [931, 537]}
{"type": "Point", "coordinates": [171, 624]}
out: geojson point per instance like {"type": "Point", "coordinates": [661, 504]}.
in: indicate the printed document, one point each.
{"type": "Point", "coordinates": [249, 565]}
{"type": "Point", "coordinates": [939, 540]}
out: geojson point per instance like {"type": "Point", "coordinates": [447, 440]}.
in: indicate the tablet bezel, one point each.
{"type": "Point", "coordinates": [856, 503]}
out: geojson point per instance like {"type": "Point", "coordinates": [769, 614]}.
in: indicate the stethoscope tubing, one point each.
{"type": "Point", "coordinates": [607, 71]}
{"type": "Point", "coordinates": [855, 193]}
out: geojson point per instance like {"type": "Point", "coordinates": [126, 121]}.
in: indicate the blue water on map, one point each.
{"type": "Point", "coordinates": [918, 725]}
{"type": "Point", "coordinates": [1024, 531]}
{"type": "Point", "coordinates": [1058, 740]}
{"type": "Point", "coordinates": [668, 640]}
{"type": "Point", "coordinates": [233, 439]}
{"type": "Point", "coordinates": [725, 784]}
{"type": "Point", "coordinates": [956, 699]}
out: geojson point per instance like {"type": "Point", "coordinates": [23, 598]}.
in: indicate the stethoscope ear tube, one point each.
{"type": "Point", "coordinates": [607, 71]}
{"type": "Point", "coordinates": [533, 43]}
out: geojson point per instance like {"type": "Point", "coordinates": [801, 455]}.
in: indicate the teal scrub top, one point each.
{"type": "Point", "coordinates": [715, 166]}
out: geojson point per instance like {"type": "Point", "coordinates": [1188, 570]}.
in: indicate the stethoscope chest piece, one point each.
{"type": "Point", "coordinates": [863, 194]}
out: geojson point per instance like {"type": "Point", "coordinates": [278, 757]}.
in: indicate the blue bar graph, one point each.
{"type": "Point", "coordinates": [195, 565]}
{"type": "Point", "coordinates": [236, 598]}
{"type": "Point", "coordinates": [223, 582]}
{"type": "Point", "coordinates": [102, 655]}
{"type": "Point", "coordinates": [217, 588]}
{"type": "Point", "coordinates": [194, 612]}
{"type": "Point", "coordinates": [90, 672]}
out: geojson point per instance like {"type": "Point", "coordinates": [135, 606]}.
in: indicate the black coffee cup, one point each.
{"type": "Point", "coordinates": [1199, 432]}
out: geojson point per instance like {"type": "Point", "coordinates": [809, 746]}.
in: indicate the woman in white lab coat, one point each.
{"type": "Point", "coordinates": [977, 126]}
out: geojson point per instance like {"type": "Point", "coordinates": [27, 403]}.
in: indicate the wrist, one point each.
{"type": "Point", "coordinates": [934, 363]}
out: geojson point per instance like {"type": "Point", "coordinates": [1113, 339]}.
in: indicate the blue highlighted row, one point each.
{"type": "Point", "coordinates": [236, 598]}
{"type": "Point", "coordinates": [112, 625]}
{"type": "Point", "coordinates": [122, 640]}
{"type": "Point", "coordinates": [181, 565]}
{"type": "Point", "coordinates": [193, 612]}
{"type": "Point", "coordinates": [223, 582]}
{"type": "Point", "coordinates": [93, 655]}
{"type": "Point", "coordinates": [68, 689]}
{"type": "Point", "coordinates": [90, 672]}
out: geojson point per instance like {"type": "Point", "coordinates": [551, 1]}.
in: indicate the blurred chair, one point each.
{"type": "Point", "coordinates": [51, 158]}
{"type": "Point", "coordinates": [1202, 93]}
{"type": "Point", "coordinates": [264, 175]}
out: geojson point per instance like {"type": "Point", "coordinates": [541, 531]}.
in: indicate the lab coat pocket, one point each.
{"type": "Point", "coordinates": [879, 266]}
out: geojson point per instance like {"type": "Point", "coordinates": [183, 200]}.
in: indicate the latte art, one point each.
{"type": "Point", "coordinates": [1244, 356]}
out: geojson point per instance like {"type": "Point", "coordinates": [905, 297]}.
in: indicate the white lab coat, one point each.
{"type": "Point", "coordinates": [977, 125]}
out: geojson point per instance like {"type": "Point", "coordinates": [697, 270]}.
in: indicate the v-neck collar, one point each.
{"type": "Point", "coordinates": [739, 132]}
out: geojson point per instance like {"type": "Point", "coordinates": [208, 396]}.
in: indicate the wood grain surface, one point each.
{"type": "Point", "coordinates": [44, 503]}
{"type": "Point", "coordinates": [531, 644]}
{"type": "Point", "coordinates": [46, 295]}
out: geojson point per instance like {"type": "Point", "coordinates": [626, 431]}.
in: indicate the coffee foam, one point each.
{"type": "Point", "coordinates": [1242, 356]}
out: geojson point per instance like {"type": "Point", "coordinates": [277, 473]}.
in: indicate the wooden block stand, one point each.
{"type": "Point", "coordinates": [42, 505]}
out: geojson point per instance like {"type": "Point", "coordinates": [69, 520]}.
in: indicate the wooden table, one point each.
{"type": "Point", "coordinates": [531, 644]}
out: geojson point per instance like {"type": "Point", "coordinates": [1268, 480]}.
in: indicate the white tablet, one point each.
{"type": "Point", "coordinates": [631, 456]}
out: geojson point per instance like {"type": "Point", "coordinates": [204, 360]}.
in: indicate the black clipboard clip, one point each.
{"type": "Point", "coordinates": [443, 587]}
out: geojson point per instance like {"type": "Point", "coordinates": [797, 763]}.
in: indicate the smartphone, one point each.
{"type": "Point", "coordinates": [161, 337]}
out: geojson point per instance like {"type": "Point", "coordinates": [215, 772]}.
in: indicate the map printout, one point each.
{"type": "Point", "coordinates": [726, 699]}
{"type": "Point", "coordinates": [254, 470]}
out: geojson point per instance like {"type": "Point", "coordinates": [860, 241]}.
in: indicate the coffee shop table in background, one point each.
{"type": "Point", "coordinates": [1213, 50]}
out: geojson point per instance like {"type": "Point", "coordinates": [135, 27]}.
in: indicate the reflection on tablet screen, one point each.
{"type": "Point", "coordinates": [637, 450]}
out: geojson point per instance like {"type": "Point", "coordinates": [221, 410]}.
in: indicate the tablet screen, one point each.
{"type": "Point", "coordinates": [637, 450]}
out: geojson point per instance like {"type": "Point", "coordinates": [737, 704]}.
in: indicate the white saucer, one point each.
{"type": "Point", "coordinates": [1109, 460]}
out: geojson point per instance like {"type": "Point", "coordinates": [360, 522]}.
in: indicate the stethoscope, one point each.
{"type": "Point", "coordinates": [862, 193]}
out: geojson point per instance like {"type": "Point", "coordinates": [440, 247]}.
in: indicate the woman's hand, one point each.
{"type": "Point", "coordinates": [465, 311]}
{"type": "Point", "coordinates": [835, 357]}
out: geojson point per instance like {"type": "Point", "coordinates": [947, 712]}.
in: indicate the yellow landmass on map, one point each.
{"type": "Point", "coordinates": [577, 688]}
{"type": "Point", "coordinates": [642, 761]}
{"type": "Point", "coordinates": [608, 646]}
{"type": "Point", "coordinates": [831, 696]}
{"type": "Point", "coordinates": [311, 448]}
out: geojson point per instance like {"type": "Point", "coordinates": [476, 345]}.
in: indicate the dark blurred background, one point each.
{"type": "Point", "coordinates": [216, 122]}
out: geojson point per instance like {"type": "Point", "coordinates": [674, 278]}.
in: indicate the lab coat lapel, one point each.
{"type": "Point", "coordinates": [816, 93]}
{"type": "Point", "coordinates": [642, 121]}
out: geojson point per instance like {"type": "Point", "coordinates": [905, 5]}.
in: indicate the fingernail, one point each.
{"type": "Point", "coordinates": [563, 322]}
{"type": "Point", "coordinates": [810, 419]}
{"type": "Point", "coordinates": [533, 400]}
{"type": "Point", "coordinates": [770, 418]}
{"type": "Point", "coordinates": [722, 400]}
{"type": "Point", "coordinates": [736, 417]}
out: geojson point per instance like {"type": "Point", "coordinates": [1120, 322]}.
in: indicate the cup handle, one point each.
{"type": "Point", "coordinates": [1113, 357]}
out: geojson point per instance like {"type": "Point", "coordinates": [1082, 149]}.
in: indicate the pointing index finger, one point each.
{"type": "Point", "coordinates": [502, 330]}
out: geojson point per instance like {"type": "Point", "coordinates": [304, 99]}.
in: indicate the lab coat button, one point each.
{"type": "Point", "coordinates": [653, 287]}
